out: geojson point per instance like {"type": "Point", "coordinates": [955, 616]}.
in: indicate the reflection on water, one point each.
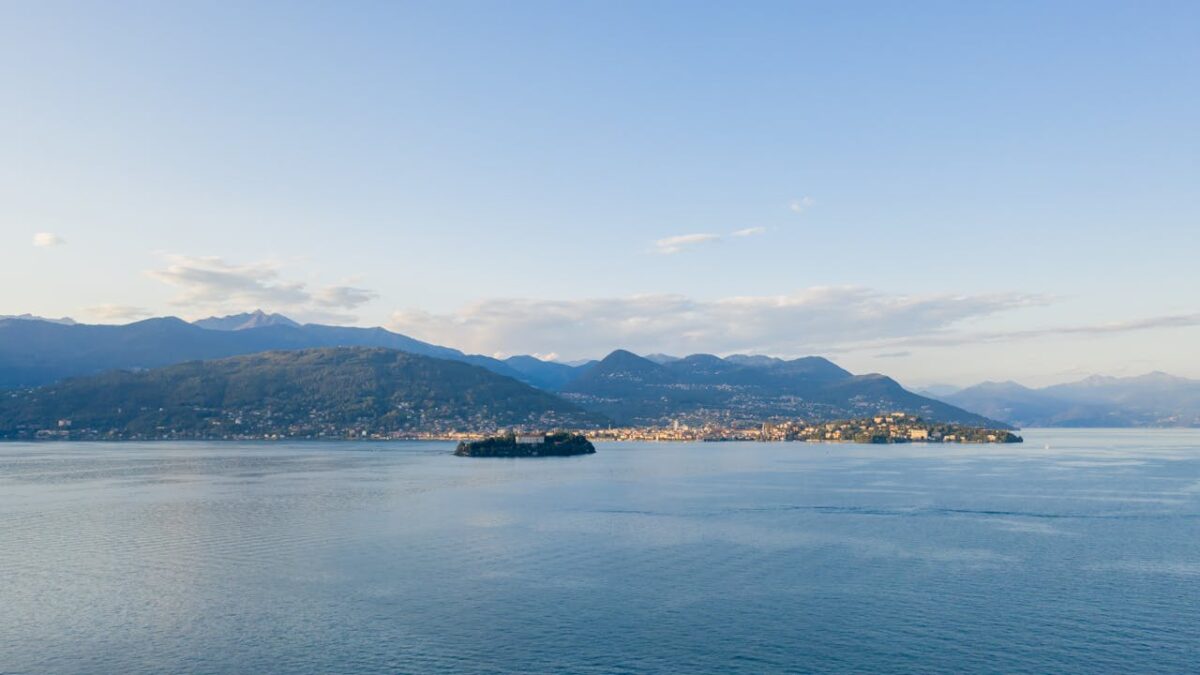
{"type": "Point", "coordinates": [1078, 551]}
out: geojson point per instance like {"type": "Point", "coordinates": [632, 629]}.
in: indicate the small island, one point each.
{"type": "Point", "coordinates": [531, 445]}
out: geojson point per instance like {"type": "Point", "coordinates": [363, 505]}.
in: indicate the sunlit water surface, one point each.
{"type": "Point", "coordinates": [1078, 551]}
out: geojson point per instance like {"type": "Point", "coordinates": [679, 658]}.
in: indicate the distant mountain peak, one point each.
{"type": "Point", "coordinates": [620, 366]}
{"type": "Point", "coordinates": [1159, 377]}
{"type": "Point", "coordinates": [1096, 380]}
{"type": "Point", "coordinates": [65, 321]}
{"type": "Point", "coordinates": [624, 356]}
{"type": "Point", "coordinates": [753, 360]}
{"type": "Point", "coordinates": [245, 321]}
{"type": "Point", "coordinates": [1152, 399]}
{"type": "Point", "coordinates": [707, 359]}
{"type": "Point", "coordinates": [939, 390]}
{"type": "Point", "coordinates": [994, 386]}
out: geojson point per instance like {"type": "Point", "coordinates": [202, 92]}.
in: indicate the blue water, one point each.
{"type": "Point", "coordinates": [1078, 551]}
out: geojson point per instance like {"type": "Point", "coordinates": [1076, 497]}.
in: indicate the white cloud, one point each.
{"type": "Point", "coordinates": [801, 205]}
{"type": "Point", "coordinates": [670, 245]}
{"type": "Point", "coordinates": [678, 243]}
{"type": "Point", "coordinates": [807, 321]}
{"type": "Point", "coordinates": [748, 232]}
{"type": "Point", "coordinates": [45, 239]}
{"type": "Point", "coordinates": [210, 285]}
{"type": "Point", "coordinates": [342, 296]}
{"type": "Point", "coordinates": [955, 338]}
{"type": "Point", "coordinates": [108, 312]}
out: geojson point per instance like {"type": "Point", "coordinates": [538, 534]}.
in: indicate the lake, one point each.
{"type": "Point", "coordinates": [1078, 551]}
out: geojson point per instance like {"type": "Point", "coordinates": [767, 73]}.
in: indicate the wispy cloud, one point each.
{"type": "Point", "coordinates": [801, 205]}
{"type": "Point", "coordinates": [212, 285]}
{"type": "Point", "coordinates": [947, 338]}
{"type": "Point", "coordinates": [806, 321]}
{"type": "Point", "coordinates": [46, 239]}
{"type": "Point", "coordinates": [682, 242]}
{"type": "Point", "coordinates": [672, 245]}
{"type": "Point", "coordinates": [108, 312]}
{"type": "Point", "coordinates": [342, 296]}
{"type": "Point", "coordinates": [748, 232]}
{"type": "Point", "coordinates": [1165, 321]}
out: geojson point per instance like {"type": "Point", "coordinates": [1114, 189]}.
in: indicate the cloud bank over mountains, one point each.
{"type": "Point", "coordinates": [806, 321]}
{"type": "Point", "coordinates": [863, 324]}
{"type": "Point", "coordinates": [857, 322]}
{"type": "Point", "coordinates": [211, 285]}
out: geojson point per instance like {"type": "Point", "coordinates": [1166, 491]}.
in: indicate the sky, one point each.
{"type": "Point", "coordinates": [945, 192]}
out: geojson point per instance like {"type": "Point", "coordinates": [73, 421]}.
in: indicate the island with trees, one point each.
{"type": "Point", "coordinates": [527, 445]}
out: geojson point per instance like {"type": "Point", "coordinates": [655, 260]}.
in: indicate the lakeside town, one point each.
{"type": "Point", "coordinates": [892, 428]}
{"type": "Point", "coordinates": [896, 427]}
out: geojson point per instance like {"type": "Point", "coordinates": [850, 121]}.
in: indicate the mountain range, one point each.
{"type": "Point", "coordinates": [740, 389]}
{"type": "Point", "coordinates": [255, 319]}
{"type": "Point", "coordinates": [1154, 399]}
{"type": "Point", "coordinates": [308, 393]}
{"type": "Point", "coordinates": [623, 387]}
{"type": "Point", "coordinates": [35, 352]}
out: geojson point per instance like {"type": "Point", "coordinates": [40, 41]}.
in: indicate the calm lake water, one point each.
{"type": "Point", "coordinates": [1078, 551]}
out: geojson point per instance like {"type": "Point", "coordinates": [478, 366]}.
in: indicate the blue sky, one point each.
{"type": "Point", "coordinates": [940, 191]}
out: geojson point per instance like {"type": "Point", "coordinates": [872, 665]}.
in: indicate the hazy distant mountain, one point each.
{"type": "Point", "coordinates": [1021, 406]}
{"type": "Point", "coordinates": [623, 386]}
{"type": "Point", "coordinates": [255, 319]}
{"type": "Point", "coordinates": [1152, 390]}
{"type": "Point", "coordinates": [34, 352]}
{"type": "Point", "coordinates": [66, 321]}
{"type": "Point", "coordinates": [938, 390]}
{"type": "Point", "coordinates": [546, 374]}
{"type": "Point", "coordinates": [635, 390]}
{"type": "Point", "coordinates": [329, 392]}
{"type": "Point", "coordinates": [1154, 399]}
{"type": "Point", "coordinates": [38, 352]}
